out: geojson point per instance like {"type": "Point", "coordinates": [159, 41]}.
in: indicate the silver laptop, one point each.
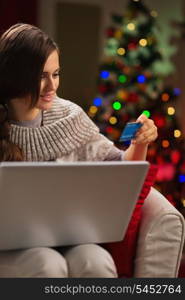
{"type": "Point", "coordinates": [59, 204]}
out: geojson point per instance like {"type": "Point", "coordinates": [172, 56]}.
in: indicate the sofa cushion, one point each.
{"type": "Point", "coordinates": [161, 239]}
{"type": "Point", "coordinates": [123, 252]}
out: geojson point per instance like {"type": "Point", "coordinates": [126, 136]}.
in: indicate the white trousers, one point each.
{"type": "Point", "coordinates": [80, 261]}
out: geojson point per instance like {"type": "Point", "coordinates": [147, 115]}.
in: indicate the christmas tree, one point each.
{"type": "Point", "coordinates": [131, 82]}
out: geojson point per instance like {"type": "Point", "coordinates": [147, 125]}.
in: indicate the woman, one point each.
{"type": "Point", "coordinates": [36, 125]}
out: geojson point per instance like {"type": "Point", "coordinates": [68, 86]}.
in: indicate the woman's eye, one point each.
{"type": "Point", "coordinates": [56, 74]}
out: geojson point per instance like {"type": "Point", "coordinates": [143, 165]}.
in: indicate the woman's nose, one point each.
{"type": "Point", "coordinates": [51, 84]}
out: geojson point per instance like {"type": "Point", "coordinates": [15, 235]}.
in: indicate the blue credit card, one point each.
{"type": "Point", "coordinates": [130, 131]}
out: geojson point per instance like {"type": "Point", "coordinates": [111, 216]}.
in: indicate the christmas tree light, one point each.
{"type": "Point", "coordinates": [146, 113]}
{"type": "Point", "coordinates": [117, 105]}
{"type": "Point", "coordinates": [97, 101]}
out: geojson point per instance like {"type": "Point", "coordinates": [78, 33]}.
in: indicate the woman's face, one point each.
{"type": "Point", "coordinates": [49, 81]}
{"type": "Point", "coordinates": [19, 108]}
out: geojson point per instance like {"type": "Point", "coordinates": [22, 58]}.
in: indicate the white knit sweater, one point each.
{"type": "Point", "coordinates": [67, 134]}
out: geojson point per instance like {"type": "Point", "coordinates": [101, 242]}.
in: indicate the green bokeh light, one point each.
{"type": "Point", "coordinates": [122, 78]}
{"type": "Point", "coordinates": [146, 113]}
{"type": "Point", "coordinates": [116, 105]}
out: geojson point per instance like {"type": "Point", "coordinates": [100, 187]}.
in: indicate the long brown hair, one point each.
{"type": "Point", "coordinates": [24, 50]}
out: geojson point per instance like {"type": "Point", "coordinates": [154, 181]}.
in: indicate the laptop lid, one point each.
{"type": "Point", "coordinates": [58, 204]}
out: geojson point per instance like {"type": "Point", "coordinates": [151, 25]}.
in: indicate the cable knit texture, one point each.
{"type": "Point", "coordinates": [67, 134]}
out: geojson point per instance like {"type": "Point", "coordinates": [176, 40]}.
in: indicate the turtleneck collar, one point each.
{"type": "Point", "coordinates": [66, 127]}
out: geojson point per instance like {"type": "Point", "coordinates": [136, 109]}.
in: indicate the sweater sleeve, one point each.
{"type": "Point", "coordinates": [102, 149]}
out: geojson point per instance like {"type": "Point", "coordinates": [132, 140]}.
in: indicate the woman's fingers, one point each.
{"type": "Point", "coordinates": [147, 133]}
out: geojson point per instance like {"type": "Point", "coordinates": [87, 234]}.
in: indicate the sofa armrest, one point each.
{"type": "Point", "coordinates": [161, 238]}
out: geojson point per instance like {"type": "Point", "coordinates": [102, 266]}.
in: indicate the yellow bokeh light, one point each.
{"type": "Point", "coordinates": [118, 34]}
{"type": "Point", "coordinates": [143, 42]}
{"type": "Point", "coordinates": [165, 143]}
{"type": "Point", "coordinates": [113, 120]}
{"type": "Point", "coordinates": [131, 26]}
{"type": "Point", "coordinates": [171, 110]}
{"type": "Point", "coordinates": [93, 109]}
{"type": "Point", "coordinates": [177, 133]}
{"type": "Point", "coordinates": [121, 51]}
{"type": "Point", "coordinates": [154, 13]}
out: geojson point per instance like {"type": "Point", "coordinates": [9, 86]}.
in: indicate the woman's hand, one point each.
{"type": "Point", "coordinates": [147, 133]}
